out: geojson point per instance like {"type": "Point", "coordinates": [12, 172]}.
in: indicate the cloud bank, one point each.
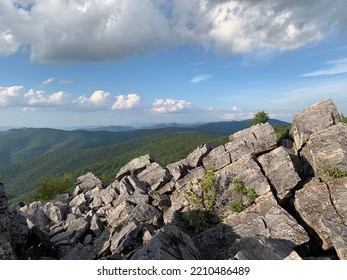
{"type": "Point", "coordinates": [89, 30]}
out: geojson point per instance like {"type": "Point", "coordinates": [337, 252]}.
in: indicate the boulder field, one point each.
{"type": "Point", "coordinates": [255, 197]}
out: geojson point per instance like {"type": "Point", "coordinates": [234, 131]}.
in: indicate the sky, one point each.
{"type": "Point", "coordinates": [67, 63]}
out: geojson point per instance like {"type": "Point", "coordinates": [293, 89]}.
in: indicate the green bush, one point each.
{"type": "Point", "coordinates": [49, 188]}
{"type": "Point", "coordinates": [203, 198]}
{"type": "Point", "coordinates": [343, 119]}
{"type": "Point", "coordinates": [335, 172]}
{"type": "Point", "coordinates": [239, 187]}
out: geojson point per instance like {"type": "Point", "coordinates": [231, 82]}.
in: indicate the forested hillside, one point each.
{"type": "Point", "coordinates": [22, 178]}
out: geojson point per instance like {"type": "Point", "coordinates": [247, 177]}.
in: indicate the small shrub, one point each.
{"type": "Point", "coordinates": [49, 188]}
{"type": "Point", "coordinates": [204, 198]}
{"type": "Point", "coordinates": [251, 194]}
{"type": "Point", "coordinates": [335, 172]}
{"type": "Point", "coordinates": [236, 206]}
{"type": "Point", "coordinates": [343, 119]}
{"type": "Point", "coordinates": [239, 187]}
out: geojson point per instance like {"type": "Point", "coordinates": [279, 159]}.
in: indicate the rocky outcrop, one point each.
{"type": "Point", "coordinates": [313, 119]}
{"type": "Point", "coordinates": [251, 198]}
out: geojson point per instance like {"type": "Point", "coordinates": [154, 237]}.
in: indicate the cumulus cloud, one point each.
{"type": "Point", "coordinates": [48, 81]}
{"type": "Point", "coordinates": [99, 99]}
{"type": "Point", "coordinates": [8, 43]}
{"type": "Point", "coordinates": [18, 96]}
{"type": "Point", "coordinates": [200, 78]}
{"type": "Point", "coordinates": [11, 96]}
{"type": "Point", "coordinates": [334, 67]}
{"type": "Point", "coordinates": [235, 113]}
{"type": "Point", "coordinates": [78, 30]}
{"type": "Point", "coordinates": [170, 105]}
{"type": "Point", "coordinates": [126, 101]}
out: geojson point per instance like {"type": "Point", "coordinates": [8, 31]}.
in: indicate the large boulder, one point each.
{"type": "Point", "coordinates": [280, 171]}
{"type": "Point", "coordinates": [169, 244]}
{"type": "Point", "coordinates": [267, 218]}
{"type": "Point", "coordinates": [327, 149]}
{"type": "Point", "coordinates": [195, 158]}
{"type": "Point", "coordinates": [216, 159]}
{"type": "Point", "coordinates": [257, 139]}
{"type": "Point", "coordinates": [155, 176]}
{"type": "Point", "coordinates": [6, 252]}
{"type": "Point", "coordinates": [317, 203]}
{"type": "Point", "coordinates": [135, 166]}
{"type": "Point", "coordinates": [315, 118]}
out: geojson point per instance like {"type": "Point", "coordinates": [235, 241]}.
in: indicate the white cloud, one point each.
{"type": "Point", "coordinates": [235, 113]}
{"type": "Point", "coordinates": [170, 105]}
{"type": "Point", "coordinates": [98, 100]}
{"type": "Point", "coordinates": [48, 81]}
{"type": "Point", "coordinates": [334, 67]}
{"type": "Point", "coordinates": [8, 43]}
{"type": "Point", "coordinates": [200, 78]}
{"type": "Point", "coordinates": [78, 30]}
{"type": "Point", "coordinates": [11, 96]}
{"type": "Point", "coordinates": [18, 96]}
{"type": "Point", "coordinates": [126, 101]}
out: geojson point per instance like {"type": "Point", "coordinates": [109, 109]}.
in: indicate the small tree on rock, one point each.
{"type": "Point", "coordinates": [260, 117]}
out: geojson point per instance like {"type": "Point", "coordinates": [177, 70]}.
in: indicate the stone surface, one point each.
{"type": "Point", "coordinates": [254, 140]}
{"type": "Point", "coordinates": [56, 212]}
{"type": "Point", "coordinates": [126, 237]}
{"type": "Point", "coordinates": [195, 158]}
{"type": "Point", "coordinates": [146, 213]}
{"type": "Point", "coordinates": [135, 166]}
{"type": "Point", "coordinates": [155, 176]}
{"type": "Point", "coordinates": [268, 219]}
{"type": "Point", "coordinates": [80, 252]}
{"type": "Point", "coordinates": [169, 244]}
{"type": "Point", "coordinates": [315, 118]}
{"type": "Point", "coordinates": [216, 159]}
{"type": "Point", "coordinates": [248, 171]}
{"type": "Point", "coordinates": [88, 181]}
{"type": "Point", "coordinates": [327, 149]}
{"type": "Point", "coordinates": [315, 206]}
{"type": "Point", "coordinates": [178, 169]}
{"type": "Point", "coordinates": [6, 252]}
{"type": "Point", "coordinates": [280, 170]}
{"type": "Point", "coordinates": [262, 248]}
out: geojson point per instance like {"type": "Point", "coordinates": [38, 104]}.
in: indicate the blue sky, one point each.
{"type": "Point", "coordinates": [116, 62]}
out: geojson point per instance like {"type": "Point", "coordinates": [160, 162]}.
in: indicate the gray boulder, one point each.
{"type": "Point", "coordinates": [268, 219]}
{"type": "Point", "coordinates": [178, 169]}
{"type": "Point", "coordinates": [155, 176]}
{"type": "Point", "coordinates": [135, 166]}
{"type": "Point", "coordinates": [80, 252]}
{"type": "Point", "coordinates": [169, 244]}
{"type": "Point", "coordinates": [257, 139]}
{"type": "Point", "coordinates": [6, 251]}
{"type": "Point", "coordinates": [263, 248]}
{"type": "Point", "coordinates": [216, 159]}
{"type": "Point", "coordinates": [126, 237]}
{"type": "Point", "coordinates": [327, 149]}
{"type": "Point", "coordinates": [55, 211]}
{"type": "Point", "coordinates": [315, 205]}
{"type": "Point", "coordinates": [88, 181]}
{"type": "Point", "coordinates": [280, 170]}
{"type": "Point", "coordinates": [195, 158]}
{"type": "Point", "coordinates": [315, 118]}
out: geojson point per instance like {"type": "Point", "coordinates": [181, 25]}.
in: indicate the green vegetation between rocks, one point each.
{"type": "Point", "coordinates": [335, 172]}
{"type": "Point", "coordinates": [246, 197]}
{"type": "Point", "coordinates": [203, 197]}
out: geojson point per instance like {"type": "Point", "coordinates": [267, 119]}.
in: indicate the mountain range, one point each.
{"type": "Point", "coordinates": [29, 154]}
